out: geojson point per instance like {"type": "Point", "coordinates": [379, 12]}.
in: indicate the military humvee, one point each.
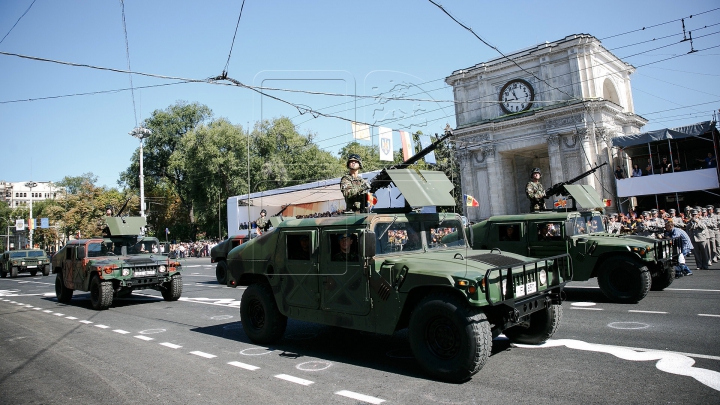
{"type": "Point", "coordinates": [627, 266]}
{"type": "Point", "coordinates": [13, 262]}
{"type": "Point", "coordinates": [115, 265]}
{"type": "Point", "coordinates": [393, 269]}
{"type": "Point", "coordinates": [219, 252]}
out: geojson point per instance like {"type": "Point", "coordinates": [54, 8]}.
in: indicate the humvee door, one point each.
{"type": "Point", "coordinates": [508, 237]}
{"type": "Point", "coordinates": [301, 287]}
{"type": "Point", "coordinates": [546, 238]}
{"type": "Point", "coordinates": [344, 285]}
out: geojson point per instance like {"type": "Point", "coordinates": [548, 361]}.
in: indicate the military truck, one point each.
{"type": "Point", "coordinates": [627, 267]}
{"type": "Point", "coordinates": [31, 261]}
{"type": "Point", "coordinates": [391, 269]}
{"type": "Point", "coordinates": [219, 252]}
{"type": "Point", "coordinates": [115, 265]}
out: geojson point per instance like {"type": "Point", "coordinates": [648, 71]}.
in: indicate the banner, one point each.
{"type": "Point", "coordinates": [386, 144]}
{"type": "Point", "coordinates": [425, 142]}
{"type": "Point", "coordinates": [407, 145]}
{"type": "Point", "coordinates": [31, 224]}
{"type": "Point", "coordinates": [19, 224]}
{"type": "Point", "coordinates": [470, 201]}
{"type": "Point", "coordinates": [44, 223]}
{"type": "Point", "coordinates": [360, 131]}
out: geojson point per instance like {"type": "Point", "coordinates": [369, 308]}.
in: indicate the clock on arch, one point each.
{"type": "Point", "coordinates": [516, 96]}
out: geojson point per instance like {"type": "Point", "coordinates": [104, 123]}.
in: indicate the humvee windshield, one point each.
{"type": "Point", "coordinates": [18, 254]}
{"type": "Point", "coordinates": [587, 223]}
{"type": "Point", "coordinates": [404, 236]}
{"type": "Point", "coordinates": [36, 253]}
{"type": "Point", "coordinates": [96, 250]}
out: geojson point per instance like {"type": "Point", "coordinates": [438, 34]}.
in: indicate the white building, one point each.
{"type": "Point", "coordinates": [554, 106]}
{"type": "Point", "coordinates": [17, 194]}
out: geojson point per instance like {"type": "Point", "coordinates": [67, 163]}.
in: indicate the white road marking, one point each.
{"type": "Point", "coordinates": [715, 316]}
{"type": "Point", "coordinates": [86, 322]}
{"type": "Point", "coordinates": [313, 366]}
{"type": "Point", "coordinates": [223, 302]}
{"type": "Point", "coordinates": [58, 314]}
{"type": "Point", "coordinates": [23, 282]}
{"type": "Point", "coordinates": [72, 318]}
{"type": "Point", "coordinates": [203, 354]}
{"type": "Point", "coordinates": [170, 345]}
{"type": "Point", "coordinates": [669, 362]}
{"type": "Point", "coordinates": [145, 338]}
{"type": "Point", "coordinates": [689, 289]}
{"type": "Point", "coordinates": [588, 309]}
{"type": "Point", "coordinates": [120, 331]}
{"type": "Point", "coordinates": [29, 306]}
{"type": "Point", "coordinates": [267, 351]}
{"type": "Point", "coordinates": [646, 312]}
{"type": "Point", "coordinates": [151, 331]}
{"type": "Point", "coordinates": [243, 365]}
{"type": "Point", "coordinates": [294, 379]}
{"type": "Point", "coordinates": [102, 326]}
{"type": "Point", "coordinates": [360, 397]}
{"type": "Point", "coordinates": [37, 308]}
{"type": "Point", "coordinates": [628, 325]}
{"type": "Point", "coordinates": [48, 311]}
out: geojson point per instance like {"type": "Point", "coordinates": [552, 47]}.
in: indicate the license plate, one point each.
{"type": "Point", "coordinates": [32, 267]}
{"type": "Point", "coordinates": [528, 288]}
{"type": "Point", "coordinates": [145, 273]}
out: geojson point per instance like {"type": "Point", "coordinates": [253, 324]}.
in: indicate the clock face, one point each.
{"type": "Point", "coordinates": [516, 96]}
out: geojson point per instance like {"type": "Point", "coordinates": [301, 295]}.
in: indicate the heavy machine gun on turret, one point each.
{"type": "Point", "coordinates": [559, 188]}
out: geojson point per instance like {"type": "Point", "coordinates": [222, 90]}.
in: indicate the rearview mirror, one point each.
{"type": "Point", "coordinates": [369, 244]}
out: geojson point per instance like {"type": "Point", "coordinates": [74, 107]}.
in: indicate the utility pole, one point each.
{"type": "Point", "coordinates": [31, 224]}
{"type": "Point", "coordinates": [141, 133]}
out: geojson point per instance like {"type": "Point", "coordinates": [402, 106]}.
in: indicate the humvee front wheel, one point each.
{"type": "Point", "coordinates": [46, 271]}
{"type": "Point", "coordinates": [101, 294]}
{"type": "Point", "coordinates": [173, 289]}
{"type": "Point", "coordinates": [663, 279]}
{"type": "Point", "coordinates": [260, 317]}
{"type": "Point", "coordinates": [14, 271]}
{"type": "Point", "coordinates": [221, 272]}
{"type": "Point", "coordinates": [62, 293]}
{"type": "Point", "coordinates": [450, 340]}
{"type": "Point", "coordinates": [3, 273]}
{"type": "Point", "coordinates": [539, 328]}
{"type": "Point", "coordinates": [624, 280]}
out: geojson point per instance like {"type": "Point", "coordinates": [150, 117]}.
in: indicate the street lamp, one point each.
{"type": "Point", "coordinates": [31, 224]}
{"type": "Point", "coordinates": [141, 133]}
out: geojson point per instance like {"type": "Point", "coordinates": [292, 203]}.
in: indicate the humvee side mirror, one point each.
{"type": "Point", "coordinates": [369, 244]}
{"type": "Point", "coordinates": [80, 252]}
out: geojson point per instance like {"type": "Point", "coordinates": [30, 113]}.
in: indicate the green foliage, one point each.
{"type": "Point", "coordinates": [73, 184]}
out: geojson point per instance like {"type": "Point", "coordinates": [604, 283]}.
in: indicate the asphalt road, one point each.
{"type": "Point", "coordinates": [145, 350]}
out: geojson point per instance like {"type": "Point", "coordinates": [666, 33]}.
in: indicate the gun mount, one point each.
{"type": "Point", "coordinates": [559, 188]}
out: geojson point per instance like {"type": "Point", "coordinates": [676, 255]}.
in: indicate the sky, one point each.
{"type": "Point", "coordinates": [341, 48]}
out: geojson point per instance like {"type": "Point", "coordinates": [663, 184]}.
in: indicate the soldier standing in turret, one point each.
{"type": "Point", "coordinates": [535, 191]}
{"type": "Point", "coordinates": [262, 223]}
{"type": "Point", "coordinates": [353, 186]}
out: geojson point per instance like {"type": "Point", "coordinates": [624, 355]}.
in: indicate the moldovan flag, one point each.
{"type": "Point", "coordinates": [425, 142]}
{"type": "Point", "coordinates": [470, 201]}
{"type": "Point", "coordinates": [360, 131]}
{"type": "Point", "coordinates": [386, 144]}
{"type": "Point", "coordinates": [407, 145]}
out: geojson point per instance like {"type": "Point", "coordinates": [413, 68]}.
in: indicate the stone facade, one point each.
{"type": "Point", "coordinates": [582, 99]}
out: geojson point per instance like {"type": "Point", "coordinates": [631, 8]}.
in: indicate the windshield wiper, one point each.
{"type": "Point", "coordinates": [388, 227]}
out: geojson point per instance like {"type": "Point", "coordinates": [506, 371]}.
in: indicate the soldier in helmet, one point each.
{"type": "Point", "coordinates": [613, 225]}
{"type": "Point", "coordinates": [263, 224]}
{"type": "Point", "coordinates": [698, 233]}
{"type": "Point", "coordinates": [535, 191]}
{"type": "Point", "coordinates": [353, 186]}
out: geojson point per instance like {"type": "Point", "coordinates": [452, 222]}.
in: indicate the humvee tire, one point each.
{"type": "Point", "coordinates": [221, 272]}
{"type": "Point", "coordinates": [13, 271]}
{"type": "Point", "coordinates": [101, 294]}
{"type": "Point", "coordinates": [261, 320]}
{"type": "Point", "coordinates": [538, 329]}
{"type": "Point", "coordinates": [450, 340]}
{"type": "Point", "coordinates": [173, 289]}
{"type": "Point", "coordinates": [624, 280]}
{"type": "Point", "coordinates": [46, 271]}
{"type": "Point", "coordinates": [62, 293]}
{"type": "Point", "coordinates": [33, 273]}
{"type": "Point", "coordinates": [3, 273]}
{"type": "Point", "coordinates": [663, 280]}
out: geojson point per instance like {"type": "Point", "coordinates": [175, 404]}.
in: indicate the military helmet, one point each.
{"type": "Point", "coordinates": [671, 210]}
{"type": "Point", "coordinates": [710, 207]}
{"type": "Point", "coordinates": [694, 211]}
{"type": "Point", "coordinates": [535, 170]}
{"type": "Point", "coordinates": [262, 211]}
{"type": "Point", "coordinates": [355, 157]}
{"type": "Point", "coordinates": [654, 210]}
{"type": "Point", "coordinates": [703, 209]}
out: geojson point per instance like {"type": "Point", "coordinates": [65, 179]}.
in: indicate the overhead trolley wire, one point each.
{"type": "Point", "coordinates": [657, 25]}
{"type": "Point", "coordinates": [18, 20]}
{"type": "Point", "coordinates": [127, 53]}
{"type": "Point", "coordinates": [232, 44]}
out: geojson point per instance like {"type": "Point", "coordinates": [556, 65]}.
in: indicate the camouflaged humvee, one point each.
{"type": "Point", "coordinates": [115, 265]}
{"type": "Point", "coordinates": [219, 252]}
{"type": "Point", "coordinates": [14, 262]}
{"type": "Point", "coordinates": [397, 268]}
{"type": "Point", "coordinates": [627, 266]}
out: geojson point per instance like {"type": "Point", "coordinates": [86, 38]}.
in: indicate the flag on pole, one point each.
{"type": "Point", "coordinates": [407, 147]}
{"type": "Point", "coordinates": [360, 131]}
{"type": "Point", "coordinates": [370, 200]}
{"type": "Point", "coordinates": [562, 203]}
{"type": "Point", "coordinates": [386, 144]}
{"type": "Point", "coordinates": [470, 201]}
{"type": "Point", "coordinates": [425, 142]}
{"type": "Point", "coordinates": [31, 224]}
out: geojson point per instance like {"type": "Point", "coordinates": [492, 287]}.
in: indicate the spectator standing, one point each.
{"type": "Point", "coordinates": [665, 166]}
{"type": "Point", "coordinates": [698, 235]}
{"type": "Point", "coordinates": [710, 161]}
{"type": "Point", "coordinates": [676, 165]}
{"type": "Point", "coordinates": [637, 172]}
{"type": "Point", "coordinates": [619, 173]}
{"type": "Point", "coordinates": [671, 232]}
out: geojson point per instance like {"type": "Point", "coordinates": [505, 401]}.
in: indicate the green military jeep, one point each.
{"type": "Point", "coordinates": [219, 252]}
{"type": "Point", "coordinates": [115, 265]}
{"type": "Point", "coordinates": [14, 262]}
{"type": "Point", "coordinates": [627, 266]}
{"type": "Point", "coordinates": [396, 268]}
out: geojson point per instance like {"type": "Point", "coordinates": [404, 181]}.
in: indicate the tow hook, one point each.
{"type": "Point", "coordinates": [514, 315]}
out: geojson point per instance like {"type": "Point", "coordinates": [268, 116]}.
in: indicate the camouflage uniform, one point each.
{"type": "Point", "coordinates": [353, 189]}
{"type": "Point", "coordinates": [698, 233]}
{"type": "Point", "coordinates": [712, 226]}
{"type": "Point", "coordinates": [263, 223]}
{"type": "Point", "coordinates": [536, 194]}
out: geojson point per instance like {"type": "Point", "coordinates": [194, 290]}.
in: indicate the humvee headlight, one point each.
{"type": "Point", "coordinates": [543, 277]}
{"type": "Point", "coordinates": [22, 264]}
{"type": "Point", "coordinates": [640, 251]}
{"type": "Point", "coordinates": [125, 272]}
{"type": "Point", "coordinates": [162, 269]}
{"type": "Point", "coordinates": [463, 283]}
{"type": "Point", "coordinates": [504, 289]}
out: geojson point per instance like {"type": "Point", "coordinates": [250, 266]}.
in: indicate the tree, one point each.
{"type": "Point", "coordinates": [73, 184]}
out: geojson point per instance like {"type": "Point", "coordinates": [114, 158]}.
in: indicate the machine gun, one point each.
{"type": "Point", "coordinates": [558, 189]}
{"type": "Point", "coordinates": [383, 179]}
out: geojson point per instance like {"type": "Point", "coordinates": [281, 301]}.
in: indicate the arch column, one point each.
{"type": "Point", "coordinates": [495, 181]}
{"type": "Point", "coordinates": [556, 171]}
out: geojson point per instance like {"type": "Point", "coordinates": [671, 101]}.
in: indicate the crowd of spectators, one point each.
{"type": "Point", "coordinates": [665, 166]}
{"type": "Point", "coordinates": [192, 249]}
